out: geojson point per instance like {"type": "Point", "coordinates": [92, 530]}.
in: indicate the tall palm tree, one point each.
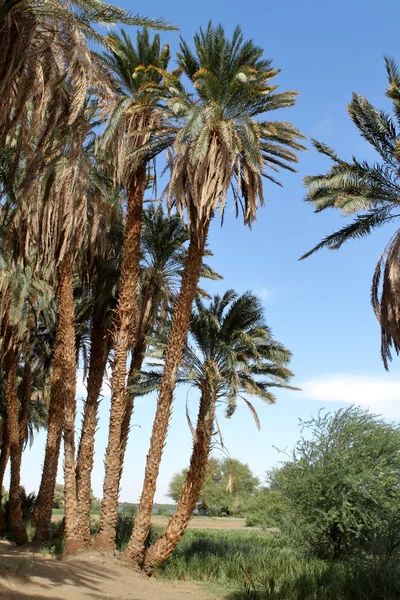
{"type": "Point", "coordinates": [163, 255]}
{"type": "Point", "coordinates": [61, 235]}
{"type": "Point", "coordinates": [46, 67]}
{"type": "Point", "coordinates": [372, 191]}
{"type": "Point", "coordinates": [102, 271]}
{"type": "Point", "coordinates": [134, 116]}
{"type": "Point", "coordinates": [222, 139]}
{"type": "Point", "coordinates": [230, 355]}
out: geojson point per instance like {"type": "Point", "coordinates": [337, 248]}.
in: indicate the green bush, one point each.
{"type": "Point", "coordinates": [123, 531]}
{"type": "Point", "coordinates": [342, 483]}
{"type": "Point", "coordinates": [267, 509]}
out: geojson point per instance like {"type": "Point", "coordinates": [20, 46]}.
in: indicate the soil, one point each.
{"type": "Point", "coordinates": [206, 522]}
{"type": "Point", "coordinates": [89, 575]}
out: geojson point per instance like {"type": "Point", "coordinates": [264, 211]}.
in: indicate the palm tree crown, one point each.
{"type": "Point", "coordinates": [231, 353]}
{"type": "Point", "coordinates": [222, 136]}
{"type": "Point", "coordinates": [372, 191]}
{"type": "Point", "coordinates": [133, 110]}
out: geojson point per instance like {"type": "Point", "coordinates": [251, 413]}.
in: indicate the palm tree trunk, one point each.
{"type": "Point", "coordinates": [99, 350]}
{"type": "Point", "coordinates": [166, 544]}
{"type": "Point", "coordinates": [179, 328]}
{"type": "Point", "coordinates": [4, 456]}
{"type": "Point", "coordinates": [136, 365]}
{"type": "Point", "coordinates": [25, 402]}
{"type": "Point", "coordinates": [15, 512]}
{"type": "Point", "coordinates": [73, 540]}
{"type": "Point", "coordinates": [143, 329]}
{"type": "Point", "coordinates": [138, 354]}
{"type": "Point", "coordinates": [56, 414]}
{"type": "Point", "coordinates": [123, 335]}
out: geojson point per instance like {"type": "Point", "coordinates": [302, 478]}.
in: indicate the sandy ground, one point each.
{"type": "Point", "coordinates": [206, 522]}
{"type": "Point", "coordinates": [87, 576]}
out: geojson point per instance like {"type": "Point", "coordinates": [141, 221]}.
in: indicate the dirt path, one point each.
{"type": "Point", "coordinates": [206, 522]}
{"type": "Point", "coordinates": [87, 576]}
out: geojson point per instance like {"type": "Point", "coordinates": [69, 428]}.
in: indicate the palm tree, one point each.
{"type": "Point", "coordinates": [46, 67]}
{"type": "Point", "coordinates": [103, 271]}
{"type": "Point", "coordinates": [163, 256]}
{"type": "Point", "coordinates": [23, 295]}
{"type": "Point", "coordinates": [230, 355]}
{"type": "Point", "coordinates": [134, 116]}
{"type": "Point", "coordinates": [62, 203]}
{"type": "Point", "coordinates": [373, 192]}
{"type": "Point", "coordinates": [221, 140]}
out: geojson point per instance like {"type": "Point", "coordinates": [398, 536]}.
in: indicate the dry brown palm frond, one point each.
{"type": "Point", "coordinates": [385, 297]}
{"type": "Point", "coordinates": [46, 68]}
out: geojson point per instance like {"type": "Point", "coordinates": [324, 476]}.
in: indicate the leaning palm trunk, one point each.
{"type": "Point", "coordinates": [123, 335]}
{"type": "Point", "coordinates": [166, 544]}
{"type": "Point", "coordinates": [73, 539]}
{"type": "Point", "coordinates": [145, 324]}
{"type": "Point", "coordinates": [179, 328]}
{"type": "Point", "coordinates": [15, 512]}
{"type": "Point", "coordinates": [56, 415]}
{"type": "Point", "coordinates": [136, 365]}
{"type": "Point", "coordinates": [25, 402]}
{"type": "Point", "coordinates": [4, 456]}
{"type": "Point", "coordinates": [99, 349]}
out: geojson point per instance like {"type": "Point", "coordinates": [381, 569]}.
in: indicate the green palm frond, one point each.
{"type": "Point", "coordinates": [372, 193]}
{"type": "Point", "coordinates": [221, 139]}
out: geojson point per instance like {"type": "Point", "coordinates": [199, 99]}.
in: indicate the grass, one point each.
{"type": "Point", "coordinates": [253, 565]}
{"type": "Point", "coordinates": [256, 565]}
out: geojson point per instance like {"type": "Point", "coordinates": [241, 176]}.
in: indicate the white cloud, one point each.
{"type": "Point", "coordinates": [81, 389]}
{"type": "Point", "coordinates": [264, 293]}
{"type": "Point", "coordinates": [381, 394]}
{"type": "Point", "coordinates": [322, 127]}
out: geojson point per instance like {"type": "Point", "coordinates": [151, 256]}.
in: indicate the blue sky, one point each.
{"type": "Point", "coordinates": [319, 308]}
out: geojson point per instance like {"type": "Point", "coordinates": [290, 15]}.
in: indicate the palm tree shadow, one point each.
{"type": "Point", "coordinates": [21, 567]}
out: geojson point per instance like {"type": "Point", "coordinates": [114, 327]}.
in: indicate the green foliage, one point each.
{"type": "Point", "coordinates": [222, 131]}
{"type": "Point", "coordinates": [268, 508]}
{"type": "Point", "coordinates": [260, 566]}
{"type": "Point", "coordinates": [127, 508]}
{"type": "Point", "coordinates": [4, 495]}
{"type": "Point", "coordinates": [28, 504]}
{"type": "Point", "coordinates": [227, 489]}
{"type": "Point", "coordinates": [58, 499]}
{"type": "Point", "coordinates": [370, 191]}
{"type": "Point", "coordinates": [342, 482]}
{"type": "Point", "coordinates": [123, 531]}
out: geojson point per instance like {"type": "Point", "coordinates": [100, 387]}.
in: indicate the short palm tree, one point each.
{"type": "Point", "coordinates": [222, 140]}
{"type": "Point", "coordinates": [372, 191]}
{"type": "Point", "coordinates": [134, 116]}
{"type": "Point", "coordinates": [31, 418]}
{"type": "Point", "coordinates": [163, 256]}
{"type": "Point", "coordinates": [230, 355]}
{"type": "Point", "coordinates": [23, 297]}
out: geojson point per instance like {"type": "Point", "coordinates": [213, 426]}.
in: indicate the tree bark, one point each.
{"type": "Point", "coordinates": [56, 415]}
{"type": "Point", "coordinates": [144, 327]}
{"type": "Point", "coordinates": [15, 512]}
{"type": "Point", "coordinates": [99, 350]}
{"type": "Point", "coordinates": [123, 336]}
{"type": "Point", "coordinates": [179, 328]}
{"type": "Point", "coordinates": [73, 540]}
{"type": "Point", "coordinates": [166, 544]}
{"type": "Point", "coordinates": [25, 402]}
{"type": "Point", "coordinates": [4, 456]}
